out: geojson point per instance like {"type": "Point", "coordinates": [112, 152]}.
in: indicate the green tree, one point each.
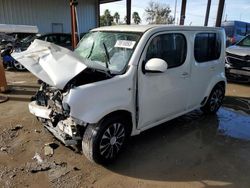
{"type": "Point", "coordinates": [158, 13]}
{"type": "Point", "coordinates": [106, 19]}
{"type": "Point", "coordinates": [116, 17]}
{"type": "Point", "coordinates": [136, 18]}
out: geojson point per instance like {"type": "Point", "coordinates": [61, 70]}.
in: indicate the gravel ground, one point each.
{"type": "Point", "coordinates": [190, 151]}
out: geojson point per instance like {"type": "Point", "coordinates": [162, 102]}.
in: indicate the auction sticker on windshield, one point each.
{"type": "Point", "coordinates": [125, 44]}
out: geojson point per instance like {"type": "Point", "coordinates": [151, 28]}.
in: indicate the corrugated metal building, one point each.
{"type": "Point", "coordinates": [50, 15]}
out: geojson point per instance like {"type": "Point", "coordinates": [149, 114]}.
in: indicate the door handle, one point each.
{"type": "Point", "coordinates": [184, 75]}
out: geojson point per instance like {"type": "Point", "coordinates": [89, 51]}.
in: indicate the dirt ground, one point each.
{"type": "Point", "coordinates": [191, 151]}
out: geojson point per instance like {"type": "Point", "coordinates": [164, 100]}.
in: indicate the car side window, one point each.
{"type": "Point", "coordinates": [64, 39]}
{"type": "Point", "coordinates": [207, 47]}
{"type": "Point", "coordinates": [52, 38]}
{"type": "Point", "coordinates": [170, 47]}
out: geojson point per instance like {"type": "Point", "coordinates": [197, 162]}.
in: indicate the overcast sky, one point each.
{"type": "Point", "coordinates": [195, 10]}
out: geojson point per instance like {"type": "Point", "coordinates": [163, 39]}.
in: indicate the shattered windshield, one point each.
{"type": "Point", "coordinates": [110, 50]}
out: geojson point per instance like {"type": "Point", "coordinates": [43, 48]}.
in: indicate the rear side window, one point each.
{"type": "Point", "coordinates": [170, 47]}
{"type": "Point", "coordinates": [207, 47]}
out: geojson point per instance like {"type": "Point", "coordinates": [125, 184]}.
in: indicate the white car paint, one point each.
{"type": "Point", "coordinates": [151, 98]}
{"type": "Point", "coordinates": [53, 64]}
{"type": "Point", "coordinates": [238, 50]}
{"type": "Point", "coordinates": [39, 111]}
{"type": "Point", "coordinates": [102, 97]}
{"type": "Point", "coordinates": [156, 64]}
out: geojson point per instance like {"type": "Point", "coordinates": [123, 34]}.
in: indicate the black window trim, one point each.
{"type": "Point", "coordinates": [164, 33]}
{"type": "Point", "coordinates": [220, 45]}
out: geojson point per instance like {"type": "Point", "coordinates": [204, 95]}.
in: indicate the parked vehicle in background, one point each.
{"type": "Point", "coordinates": [235, 31]}
{"type": "Point", "coordinates": [61, 39]}
{"type": "Point", "coordinates": [122, 80]}
{"type": "Point", "coordinates": [8, 60]}
{"type": "Point", "coordinates": [18, 32]}
{"type": "Point", "coordinates": [10, 41]}
{"type": "Point", "coordinates": [6, 39]}
{"type": "Point", "coordinates": [238, 60]}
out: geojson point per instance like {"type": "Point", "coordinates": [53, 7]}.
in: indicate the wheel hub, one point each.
{"type": "Point", "coordinates": [113, 140]}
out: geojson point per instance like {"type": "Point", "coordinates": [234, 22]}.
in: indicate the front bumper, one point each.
{"type": "Point", "coordinates": [39, 111]}
{"type": "Point", "coordinates": [238, 74]}
{"type": "Point", "coordinates": [237, 68]}
{"type": "Point", "coordinates": [66, 130]}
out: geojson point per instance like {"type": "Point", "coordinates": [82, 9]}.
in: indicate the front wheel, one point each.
{"type": "Point", "coordinates": [214, 101]}
{"type": "Point", "coordinates": [103, 142]}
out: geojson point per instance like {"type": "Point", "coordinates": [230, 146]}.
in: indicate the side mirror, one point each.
{"type": "Point", "coordinates": [156, 65]}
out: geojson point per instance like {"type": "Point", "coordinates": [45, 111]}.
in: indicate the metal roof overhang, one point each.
{"type": "Point", "coordinates": [107, 1]}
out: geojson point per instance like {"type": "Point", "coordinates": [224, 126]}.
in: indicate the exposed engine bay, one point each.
{"type": "Point", "coordinates": [58, 119]}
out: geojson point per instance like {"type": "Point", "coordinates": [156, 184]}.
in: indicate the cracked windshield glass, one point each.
{"type": "Point", "coordinates": [111, 50]}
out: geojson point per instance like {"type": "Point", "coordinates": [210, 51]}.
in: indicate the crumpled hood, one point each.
{"type": "Point", "coordinates": [238, 50]}
{"type": "Point", "coordinates": [51, 63]}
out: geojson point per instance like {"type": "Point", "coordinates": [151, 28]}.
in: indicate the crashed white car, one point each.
{"type": "Point", "coordinates": [122, 80]}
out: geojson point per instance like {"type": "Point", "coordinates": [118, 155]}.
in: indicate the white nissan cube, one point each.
{"type": "Point", "coordinates": [122, 80]}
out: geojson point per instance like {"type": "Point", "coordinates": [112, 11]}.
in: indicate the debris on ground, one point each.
{"type": "Point", "coordinates": [48, 150]}
{"type": "Point", "coordinates": [16, 128]}
{"type": "Point", "coordinates": [76, 169]}
{"type": "Point", "coordinates": [4, 149]}
{"type": "Point", "coordinates": [55, 170]}
{"type": "Point", "coordinates": [37, 131]}
{"type": "Point", "coordinates": [38, 158]}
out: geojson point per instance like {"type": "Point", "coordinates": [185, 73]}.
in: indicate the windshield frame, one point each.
{"type": "Point", "coordinates": [103, 68]}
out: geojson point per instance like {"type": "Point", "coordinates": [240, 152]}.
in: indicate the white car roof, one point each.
{"type": "Point", "coordinates": [144, 28]}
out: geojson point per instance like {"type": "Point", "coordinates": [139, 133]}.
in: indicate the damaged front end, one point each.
{"type": "Point", "coordinates": [49, 108]}
{"type": "Point", "coordinates": [59, 70]}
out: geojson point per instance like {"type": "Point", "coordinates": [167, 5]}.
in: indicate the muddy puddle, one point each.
{"type": "Point", "coordinates": [235, 124]}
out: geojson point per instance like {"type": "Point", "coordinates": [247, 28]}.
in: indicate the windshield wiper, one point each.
{"type": "Point", "coordinates": [107, 56]}
{"type": "Point", "coordinates": [91, 50]}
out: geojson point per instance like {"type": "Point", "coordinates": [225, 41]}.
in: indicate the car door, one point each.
{"type": "Point", "coordinates": [164, 95]}
{"type": "Point", "coordinates": [204, 66]}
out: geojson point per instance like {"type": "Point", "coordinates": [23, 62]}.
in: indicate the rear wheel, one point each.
{"type": "Point", "coordinates": [215, 99]}
{"type": "Point", "coordinates": [102, 143]}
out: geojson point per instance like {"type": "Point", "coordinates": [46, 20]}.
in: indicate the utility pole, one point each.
{"type": "Point", "coordinates": [98, 13]}
{"type": "Point", "coordinates": [207, 12]}
{"type": "Point", "coordinates": [219, 13]}
{"type": "Point", "coordinates": [128, 12]}
{"type": "Point", "coordinates": [3, 82]}
{"type": "Point", "coordinates": [175, 12]}
{"type": "Point", "coordinates": [183, 12]}
{"type": "Point", "coordinates": [74, 38]}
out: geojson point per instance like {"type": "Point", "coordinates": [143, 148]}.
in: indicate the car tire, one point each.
{"type": "Point", "coordinates": [17, 66]}
{"type": "Point", "coordinates": [103, 142]}
{"type": "Point", "coordinates": [215, 100]}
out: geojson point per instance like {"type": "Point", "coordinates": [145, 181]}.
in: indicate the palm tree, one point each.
{"type": "Point", "coordinates": [116, 17]}
{"type": "Point", "coordinates": [107, 19]}
{"type": "Point", "coordinates": [136, 18]}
